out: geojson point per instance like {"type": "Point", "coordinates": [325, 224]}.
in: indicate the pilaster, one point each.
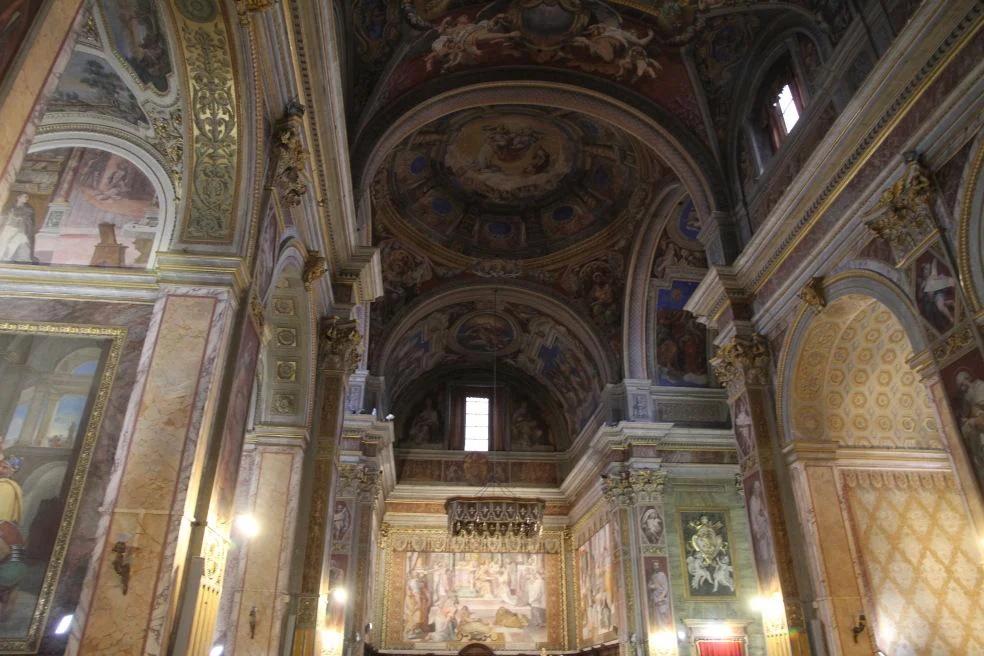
{"type": "Point", "coordinates": [339, 351]}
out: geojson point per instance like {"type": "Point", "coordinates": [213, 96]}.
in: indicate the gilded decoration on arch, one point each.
{"type": "Point", "coordinates": [215, 125]}
{"type": "Point", "coordinates": [903, 215]}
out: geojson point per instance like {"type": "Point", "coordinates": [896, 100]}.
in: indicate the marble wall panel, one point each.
{"type": "Point", "coordinates": [135, 318]}
{"type": "Point", "coordinates": [148, 492]}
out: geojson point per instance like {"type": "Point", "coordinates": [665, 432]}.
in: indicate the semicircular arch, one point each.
{"type": "Point", "coordinates": [845, 373]}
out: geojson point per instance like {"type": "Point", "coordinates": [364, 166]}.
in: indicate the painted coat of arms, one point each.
{"type": "Point", "coordinates": [707, 554]}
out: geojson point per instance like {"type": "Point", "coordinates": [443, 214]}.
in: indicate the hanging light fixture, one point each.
{"type": "Point", "coordinates": [498, 515]}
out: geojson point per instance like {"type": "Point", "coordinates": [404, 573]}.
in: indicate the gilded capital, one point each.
{"type": "Point", "coordinates": [742, 359]}
{"type": "Point", "coordinates": [625, 487]}
{"type": "Point", "coordinates": [903, 216]}
{"type": "Point", "coordinates": [340, 345]}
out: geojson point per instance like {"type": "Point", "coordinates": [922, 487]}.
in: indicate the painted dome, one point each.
{"type": "Point", "coordinates": [513, 181]}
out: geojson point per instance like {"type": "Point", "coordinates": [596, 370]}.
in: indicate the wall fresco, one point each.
{"type": "Point", "coordinates": [80, 206]}
{"type": "Point", "coordinates": [599, 599]}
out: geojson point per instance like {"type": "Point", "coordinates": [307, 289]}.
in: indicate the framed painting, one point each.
{"type": "Point", "coordinates": [707, 557]}
{"type": "Point", "coordinates": [57, 380]}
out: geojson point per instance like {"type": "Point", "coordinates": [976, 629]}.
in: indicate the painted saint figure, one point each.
{"type": "Point", "coordinates": [17, 229]}
{"type": "Point", "coordinates": [972, 415]}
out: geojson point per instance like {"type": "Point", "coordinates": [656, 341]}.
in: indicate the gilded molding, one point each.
{"type": "Point", "coordinates": [246, 7]}
{"type": "Point", "coordinates": [214, 130]}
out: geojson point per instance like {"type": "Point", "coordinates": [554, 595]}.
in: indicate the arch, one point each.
{"type": "Point", "coordinates": [77, 358]}
{"type": "Point", "coordinates": [847, 295]}
{"type": "Point", "coordinates": [548, 305]}
{"type": "Point", "coordinates": [285, 377]}
{"type": "Point", "coordinates": [970, 226]}
{"type": "Point", "coordinates": [636, 310]}
{"type": "Point", "coordinates": [684, 156]}
{"type": "Point", "coordinates": [140, 157]}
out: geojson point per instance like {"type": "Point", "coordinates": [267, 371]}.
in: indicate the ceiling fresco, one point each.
{"type": "Point", "coordinates": [524, 338]}
{"type": "Point", "coordinates": [512, 182]}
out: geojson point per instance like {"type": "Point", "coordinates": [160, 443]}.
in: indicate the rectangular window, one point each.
{"type": "Point", "coordinates": [787, 108]}
{"type": "Point", "coordinates": [477, 423]}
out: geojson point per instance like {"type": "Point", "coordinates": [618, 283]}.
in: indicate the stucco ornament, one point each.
{"type": "Point", "coordinates": [315, 267]}
{"type": "Point", "coordinates": [812, 294]}
{"type": "Point", "coordinates": [625, 487]}
{"type": "Point", "coordinates": [289, 177]}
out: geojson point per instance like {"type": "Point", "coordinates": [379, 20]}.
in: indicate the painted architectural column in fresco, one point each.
{"type": "Point", "coordinates": [339, 351]}
{"type": "Point", "coordinates": [130, 598]}
{"type": "Point", "coordinates": [635, 495]}
{"type": "Point", "coordinates": [743, 365]}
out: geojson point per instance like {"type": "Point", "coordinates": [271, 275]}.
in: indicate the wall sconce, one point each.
{"type": "Point", "coordinates": [859, 628]}
{"type": "Point", "coordinates": [252, 622]}
{"type": "Point", "coordinates": [121, 563]}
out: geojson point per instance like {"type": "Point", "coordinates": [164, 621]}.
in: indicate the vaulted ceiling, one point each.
{"type": "Point", "coordinates": [508, 154]}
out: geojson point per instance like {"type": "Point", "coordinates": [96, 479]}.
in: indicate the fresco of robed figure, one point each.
{"type": "Point", "coordinates": [47, 398]}
{"type": "Point", "coordinates": [79, 206]}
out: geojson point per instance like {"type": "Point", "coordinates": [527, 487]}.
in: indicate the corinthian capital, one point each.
{"type": "Point", "coordinates": [358, 480]}
{"type": "Point", "coordinates": [743, 359]}
{"type": "Point", "coordinates": [626, 486]}
{"type": "Point", "coordinates": [339, 345]}
{"type": "Point", "coordinates": [903, 215]}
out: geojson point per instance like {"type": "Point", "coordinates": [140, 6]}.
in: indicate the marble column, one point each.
{"type": "Point", "coordinates": [129, 599]}
{"type": "Point", "coordinates": [339, 351]}
{"type": "Point", "coordinates": [256, 591]}
{"type": "Point", "coordinates": [635, 496]}
{"type": "Point", "coordinates": [743, 365]}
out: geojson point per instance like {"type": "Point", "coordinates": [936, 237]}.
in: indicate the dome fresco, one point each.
{"type": "Point", "coordinates": [513, 181]}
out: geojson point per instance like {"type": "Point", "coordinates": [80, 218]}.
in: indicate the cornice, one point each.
{"type": "Point", "coordinates": [72, 283]}
{"type": "Point", "coordinates": [898, 80]}
{"type": "Point", "coordinates": [206, 270]}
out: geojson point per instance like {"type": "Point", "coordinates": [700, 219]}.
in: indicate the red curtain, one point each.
{"type": "Point", "coordinates": [720, 648]}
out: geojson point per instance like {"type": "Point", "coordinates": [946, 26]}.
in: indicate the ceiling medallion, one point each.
{"type": "Point", "coordinates": [494, 517]}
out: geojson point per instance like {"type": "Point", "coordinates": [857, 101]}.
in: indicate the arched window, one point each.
{"type": "Point", "coordinates": [780, 101]}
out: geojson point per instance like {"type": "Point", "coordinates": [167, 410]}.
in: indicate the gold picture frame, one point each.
{"type": "Point", "coordinates": [110, 340]}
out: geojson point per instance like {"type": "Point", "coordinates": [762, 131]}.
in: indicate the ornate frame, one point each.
{"type": "Point", "coordinates": [728, 525]}
{"type": "Point", "coordinates": [116, 337]}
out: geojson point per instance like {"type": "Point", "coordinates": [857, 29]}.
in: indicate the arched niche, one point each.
{"type": "Point", "coordinates": [844, 373]}
{"type": "Point", "coordinates": [285, 378]}
{"type": "Point", "coordinates": [111, 198]}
